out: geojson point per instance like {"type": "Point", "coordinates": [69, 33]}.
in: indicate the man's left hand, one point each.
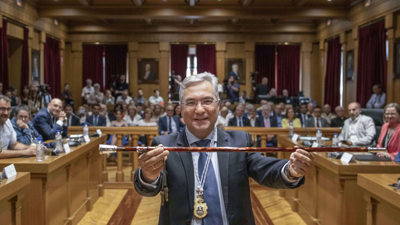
{"type": "Point", "coordinates": [21, 124]}
{"type": "Point", "coordinates": [300, 162]}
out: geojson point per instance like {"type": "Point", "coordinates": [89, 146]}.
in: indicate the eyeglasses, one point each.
{"type": "Point", "coordinates": [206, 103]}
{"type": "Point", "coordinates": [23, 117]}
{"type": "Point", "coordinates": [390, 114]}
{"type": "Point", "coordinates": [2, 109]}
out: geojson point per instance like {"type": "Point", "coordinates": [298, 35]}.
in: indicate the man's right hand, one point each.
{"type": "Point", "coordinates": [62, 116]}
{"type": "Point", "coordinates": [31, 150]}
{"type": "Point", "coordinates": [151, 163]}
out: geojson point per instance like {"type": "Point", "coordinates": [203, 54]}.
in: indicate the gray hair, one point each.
{"type": "Point", "coordinates": [5, 98]}
{"type": "Point", "coordinates": [199, 78]}
{"type": "Point", "coordinates": [266, 107]}
{"type": "Point", "coordinates": [249, 107]}
{"type": "Point", "coordinates": [224, 109]}
{"type": "Point", "coordinates": [96, 85]}
{"type": "Point", "coordinates": [21, 107]}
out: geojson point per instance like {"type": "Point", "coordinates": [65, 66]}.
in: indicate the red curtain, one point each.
{"type": "Point", "coordinates": [371, 68]}
{"type": "Point", "coordinates": [4, 56]}
{"type": "Point", "coordinates": [25, 60]}
{"type": "Point", "coordinates": [179, 54]}
{"type": "Point", "coordinates": [206, 59]}
{"type": "Point", "coordinates": [52, 67]}
{"type": "Point", "coordinates": [92, 64]}
{"type": "Point", "coordinates": [115, 62]}
{"type": "Point", "coordinates": [332, 79]}
{"type": "Point", "coordinates": [288, 68]}
{"type": "Point", "coordinates": [265, 64]}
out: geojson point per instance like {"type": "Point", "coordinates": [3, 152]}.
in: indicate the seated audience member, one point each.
{"type": "Point", "coordinates": [310, 109]}
{"type": "Point", "coordinates": [303, 115]}
{"type": "Point", "coordinates": [14, 97]}
{"type": "Point", "coordinates": [146, 121]}
{"type": "Point", "coordinates": [157, 113]}
{"type": "Point", "coordinates": [82, 113]}
{"type": "Point", "coordinates": [118, 122]}
{"type": "Point", "coordinates": [96, 119]}
{"type": "Point", "coordinates": [108, 98]}
{"type": "Point", "coordinates": [288, 106]}
{"type": "Point", "coordinates": [339, 120]}
{"type": "Point", "coordinates": [242, 98]}
{"type": "Point", "coordinates": [327, 114]}
{"type": "Point", "coordinates": [66, 95]}
{"type": "Point", "coordinates": [278, 115]}
{"type": "Point", "coordinates": [358, 130]}
{"type": "Point", "coordinates": [272, 92]}
{"type": "Point", "coordinates": [131, 102]}
{"type": "Point", "coordinates": [9, 95]}
{"type": "Point", "coordinates": [317, 120]}
{"type": "Point", "coordinates": [72, 120]}
{"type": "Point", "coordinates": [124, 97]}
{"type": "Point", "coordinates": [95, 97]}
{"type": "Point", "coordinates": [178, 111]}
{"type": "Point", "coordinates": [267, 121]}
{"type": "Point", "coordinates": [228, 105]}
{"type": "Point", "coordinates": [224, 117]}
{"type": "Point", "coordinates": [140, 111]}
{"type": "Point", "coordinates": [251, 114]}
{"type": "Point", "coordinates": [146, 105]}
{"type": "Point", "coordinates": [262, 102]}
{"type": "Point", "coordinates": [26, 133]}
{"type": "Point", "coordinates": [24, 98]}
{"type": "Point", "coordinates": [232, 90]}
{"type": "Point", "coordinates": [390, 134]}
{"type": "Point", "coordinates": [272, 107]}
{"type": "Point", "coordinates": [140, 98]}
{"type": "Point", "coordinates": [11, 147]}
{"type": "Point", "coordinates": [170, 123]}
{"type": "Point", "coordinates": [283, 108]}
{"type": "Point", "coordinates": [47, 121]}
{"type": "Point", "coordinates": [156, 98]}
{"type": "Point", "coordinates": [132, 117]}
{"type": "Point", "coordinates": [290, 117]}
{"type": "Point", "coordinates": [124, 106]}
{"type": "Point", "coordinates": [120, 86]}
{"type": "Point", "coordinates": [239, 120]}
{"type": "Point", "coordinates": [34, 103]}
{"type": "Point", "coordinates": [378, 98]}
{"type": "Point", "coordinates": [87, 90]}
{"type": "Point", "coordinates": [285, 93]}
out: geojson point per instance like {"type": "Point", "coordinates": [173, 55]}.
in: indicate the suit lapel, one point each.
{"type": "Point", "coordinates": [187, 162]}
{"type": "Point", "coordinates": [223, 161]}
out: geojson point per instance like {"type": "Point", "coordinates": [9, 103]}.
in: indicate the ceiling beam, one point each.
{"type": "Point", "coordinates": [86, 2]}
{"type": "Point", "coordinates": [301, 2]}
{"type": "Point", "coordinates": [138, 2]}
{"type": "Point", "coordinates": [148, 21]}
{"type": "Point", "coordinates": [247, 2]}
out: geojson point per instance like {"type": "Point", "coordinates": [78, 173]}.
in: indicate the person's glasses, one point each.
{"type": "Point", "coordinates": [2, 109]}
{"type": "Point", "coordinates": [206, 103]}
{"type": "Point", "coordinates": [390, 114]}
{"type": "Point", "coordinates": [23, 117]}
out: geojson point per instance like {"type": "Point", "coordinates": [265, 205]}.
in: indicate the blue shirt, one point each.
{"type": "Point", "coordinates": [24, 135]}
{"type": "Point", "coordinates": [233, 95]}
{"type": "Point", "coordinates": [279, 120]}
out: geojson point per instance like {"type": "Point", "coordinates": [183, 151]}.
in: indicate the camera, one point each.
{"type": "Point", "coordinates": [44, 88]}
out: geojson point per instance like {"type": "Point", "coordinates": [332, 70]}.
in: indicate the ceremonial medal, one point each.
{"type": "Point", "coordinates": [200, 207]}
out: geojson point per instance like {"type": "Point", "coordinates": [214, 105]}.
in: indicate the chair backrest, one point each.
{"type": "Point", "coordinates": [377, 116]}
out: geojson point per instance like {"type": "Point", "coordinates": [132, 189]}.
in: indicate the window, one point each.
{"type": "Point", "coordinates": [191, 67]}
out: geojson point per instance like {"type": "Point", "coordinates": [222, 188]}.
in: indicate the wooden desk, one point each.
{"type": "Point", "coordinates": [63, 188]}
{"type": "Point", "coordinates": [330, 194]}
{"type": "Point", "coordinates": [13, 193]}
{"type": "Point", "coordinates": [383, 202]}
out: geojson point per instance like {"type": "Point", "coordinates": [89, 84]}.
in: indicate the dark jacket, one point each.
{"type": "Point", "coordinates": [163, 124]}
{"type": "Point", "coordinates": [101, 120]}
{"type": "Point", "coordinates": [301, 118]}
{"type": "Point", "coordinates": [44, 125]}
{"type": "Point", "coordinates": [233, 122]}
{"type": "Point", "coordinates": [24, 135]}
{"type": "Point", "coordinates": [273, 123]}
{"type": "Point", "coordinates": [338, 122]}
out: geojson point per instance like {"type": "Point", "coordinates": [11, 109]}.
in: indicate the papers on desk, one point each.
{"type": "Point", "coordinates": [313, 138]}
{"type": "Point", "coordinates": [75, 135]}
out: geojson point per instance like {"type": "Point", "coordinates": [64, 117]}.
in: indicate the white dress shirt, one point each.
{"type": "Point", "coordinates": [132, 121]}
{"type": "Point", "coordinates": [378, 101]}
{"type": "Point", "coordinates": [127, 100]}
{"type": "Point", "coordinates": [7, 134]}
{"type": "Point", "coordinates": [155, 100]}
{"type": "Point", "coordinates": [85, 90]}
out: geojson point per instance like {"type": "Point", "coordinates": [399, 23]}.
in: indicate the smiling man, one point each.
{"type": "Point", "coordinates": [219, 180]}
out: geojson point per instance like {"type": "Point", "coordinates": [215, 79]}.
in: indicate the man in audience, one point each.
{"type": "Point", "coordinates": [48, 120]}
{"type": "Point", "coordinates": [120, 86]}
{"type": "Point", "coordinates": [124, 97]}
{"type": "Point", "coordinates": [96, 119]}
{"type": "Point", "coordinates": [272, 106]}
{"type": "Point", "coordinates": [108, 98]}
{"type": "Point", "coordinates": [72, 120]}
{"type": "Point", "coordinates": [303, 115]}
{"type": "Point", "coordinates": [232, 90]}
{"type": "Point", "coordinates": [378, 98]}
{"type": "Point", "coordinates": [339, 120]}
{"type": "Point", "coordinates": [95, 97]}
{"type": "Point", "coordinates": [239, 120]}
{"type": "Point", "coordinates": [156, 98]}
{"type": "Point", "coordinates": [310, 109]}
{"type": "Point", "coordinates": [317, 121]}
{"type": "Point", "coordinates": [139, 98]}
{"type": "Point", "coordinates": [170, 123]}
{"type": "Point", "coordinates": [358, 130]}
{"type": "Point", "coordinates": [242, 98]}
{"type": "Point", "coordinates": [278, 115]}
{"type": "Point", "coordinates": [262, 89]}
{"type": "Point", "coordinates": [87, 90]}
{"type": "Point", "coordinates": [11, 147]}
{"type": "Point", "coordinates": [139, 109]}
{"type": "Point", "coordinates": [24, 129]}
{"type": "Point", "coordinates": [285, 93]}
{"type": "Point", "coordinates": [82, 113]}
{"type": "Point", "coordinates": [267, 121]}
{"type": "Point", "coordinates": [262, 102]}
{"type": "Point", "coordinates": [328, 115]}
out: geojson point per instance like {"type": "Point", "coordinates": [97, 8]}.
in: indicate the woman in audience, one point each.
{"type": "Point", "coordinates": [108, 98]}
{"type": "Point", "coordinates": [147, 121]}
{"type": "Point", "coordinates": [14, 98]}
{"type": "Point", "coordinates": [34, 103]}
{"type": "Point", "coordinates": [24, 98]}
{"type": "Point", "coordinates": [291, 117]}
{"type": "Point", "coordinates": [66, 95]}
{"type": "Point", "coordinates": [132, 117]}
{"type": "Point", "coordinates": [157, 113]}
{"type": "Point", "coordinates": [178, 112]}
{"type": "Point", "coordinates": [223, 118]}
{"type": "Point", "coordinates": [390, 132]}
{"type": "Point", "coordinates": [119, 122]}
{"type": "Point", "coordinates": [146, 104]}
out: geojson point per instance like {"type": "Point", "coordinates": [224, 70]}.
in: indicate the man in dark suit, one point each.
{"type": "Point", "coordinates": [239, 120]}
{"type": "Point", "coordinates": [224, 189]}
{"type": "Point", "coordinates": [170, 124]}
{"type": "Point", "coordinates": [48, 120]}
{"type": "Point", "coordinates": [96, 119]}
{"type": "Point", "coordinates": [339, 120]}
{"type": "Point", "coordinates": [317, 120]}
{"type": "Point", "coordinates": [267, 121]}
{"type": "Point", "coordinates": [303, 115]}
{"type": "Point", "coordinates": [72, 120]}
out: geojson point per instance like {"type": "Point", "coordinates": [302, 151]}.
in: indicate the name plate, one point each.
{"type": "Point", "coordinates": [98, 131]}
{"type": "Point", "coordinates": [87, 139]}
{"type": "Point", "coordinates": [314, 145]}
{"type": "Point", "coordinates": [9, 171]}
{"type": "Point", "coordinates": [347, 158]}
{"type": "Point", "coordinates": [294, 138]}
{"type": "Point", "coordinates": [66, 148]}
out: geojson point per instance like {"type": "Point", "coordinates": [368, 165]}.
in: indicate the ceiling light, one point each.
{"type": "Point", "coordinates": [286, 43]}
{"type": "Point", "coordinates": [367, 3]}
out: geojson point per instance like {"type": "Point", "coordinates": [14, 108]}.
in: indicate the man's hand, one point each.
{"type": "Point", "coordinates": [21, 124]}
{"type": "Point", "coordinates": [270, 137]}
{"type": "Point", "coordinates": [31, 150]}
{"type": "Point", "coordinates": [151, 163]}
{"type": "Point", "coordinates": [300, 162]}
{"type": "Point", "coordinates": [62, 116]}
{"type": "Point", "coordinates": [383, 154]}
{"type": "Point", "coordinates": [349, 143]}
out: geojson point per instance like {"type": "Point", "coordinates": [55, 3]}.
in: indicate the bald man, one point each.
{"type": "Point", "coordinates": [48, 120]}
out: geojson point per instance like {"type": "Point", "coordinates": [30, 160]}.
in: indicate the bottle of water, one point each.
{"type": "Point", "coordinates": [85, 130]}
{"type": "Point", "coordinates": [335, 140]}
{"type": "Point", "coordinates": [291, 129]}
{"type": "Point", "coordinates": [58, 142]}
{"type": "Point", "coordinates": [39, 150]}
{"type": "Point", "coordinates": [319, 137]}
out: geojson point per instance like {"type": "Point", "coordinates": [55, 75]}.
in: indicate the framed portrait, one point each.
{"type": "Point", "coordinates": [148, 71]}
{"type": "Point", "coordinates": [396, 65]}
{"type": "Point", "coordinates": [350, 65]}
{"type": "Point", "coordinates": [236, 67]}
{"type": "Point", "coordinates": [35, 65]}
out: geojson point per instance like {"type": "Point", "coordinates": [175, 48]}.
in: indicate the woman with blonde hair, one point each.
{"type": "Point", "coordinates": [390, 132]}
{"type": "Point", "coordinates": [291, 117]}
{"type": "Point", "coordinates": [132, 117]}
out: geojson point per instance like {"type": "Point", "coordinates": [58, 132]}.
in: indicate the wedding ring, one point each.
{"type": "Point", "coordinates": [154, 168]}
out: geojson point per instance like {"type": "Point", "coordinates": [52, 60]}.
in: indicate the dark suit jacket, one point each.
{"type": "Point", "coordinates": [301, 118]}
{"type": "Point", "coordinates": [311, 122]}
{"type": "Point", "coordinates": [273, 123]}
{"type": "Point", "coordinates": [337, 122]}
{"type": "Point", "coordinates": [163, 124]}
{"type": "Point", "coordinates": [74, 121]}
{"type": "Point", "coordinates": [233, 122]}
{"type": "Point", "coordinates": [235, 170]}
{"type": "Point", "coordinates": [101, 121]}
{"type": "Point", "coordinates": [44, 125]}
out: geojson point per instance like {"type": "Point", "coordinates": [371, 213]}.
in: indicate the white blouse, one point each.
{"type": "Point", "coordinates": [145, 124]}
{"type": "Point", "coordinates": [134, 121]}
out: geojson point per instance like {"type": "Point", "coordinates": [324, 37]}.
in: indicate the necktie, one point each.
{"type": "Point", "coordinates": [267, 122]}
{"type": "Point", "coordinates": [240, 122]}
{"type": "Point", "coordinates": [211, 194]}
{"type": "Point", "coordinates": [95, 121]}
{"type": "Point", "coordinates": [304, 120]}
{"type": "Point", "coordinates": [318, 122]}
{"type": "Point", "coordinates": [169, 125]}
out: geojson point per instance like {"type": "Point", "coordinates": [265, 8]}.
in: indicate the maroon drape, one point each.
{"type": "Point", "coordinates": [371, 68]}
{"type": "Point", "coordinates": [206, 59]}
{"type": "Point", "coordinates": [265, 64]}
{"type": "Point", "coordinates": [115, 62]}
{"type": "Point", "coordinates": [288, 68]}
{"type": "Point", "coordinates": [25, 60]}
{"type": "Point", "coordinates": [52, 67]}
{"type": "Point", "coordinates": [92, 64]}
{"type": "Point", "coordinates": [332, 78]}
{"type": "Point", "coordinates": [179, 54]}
{"type": "Point", "coordinates": [4, 56]}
